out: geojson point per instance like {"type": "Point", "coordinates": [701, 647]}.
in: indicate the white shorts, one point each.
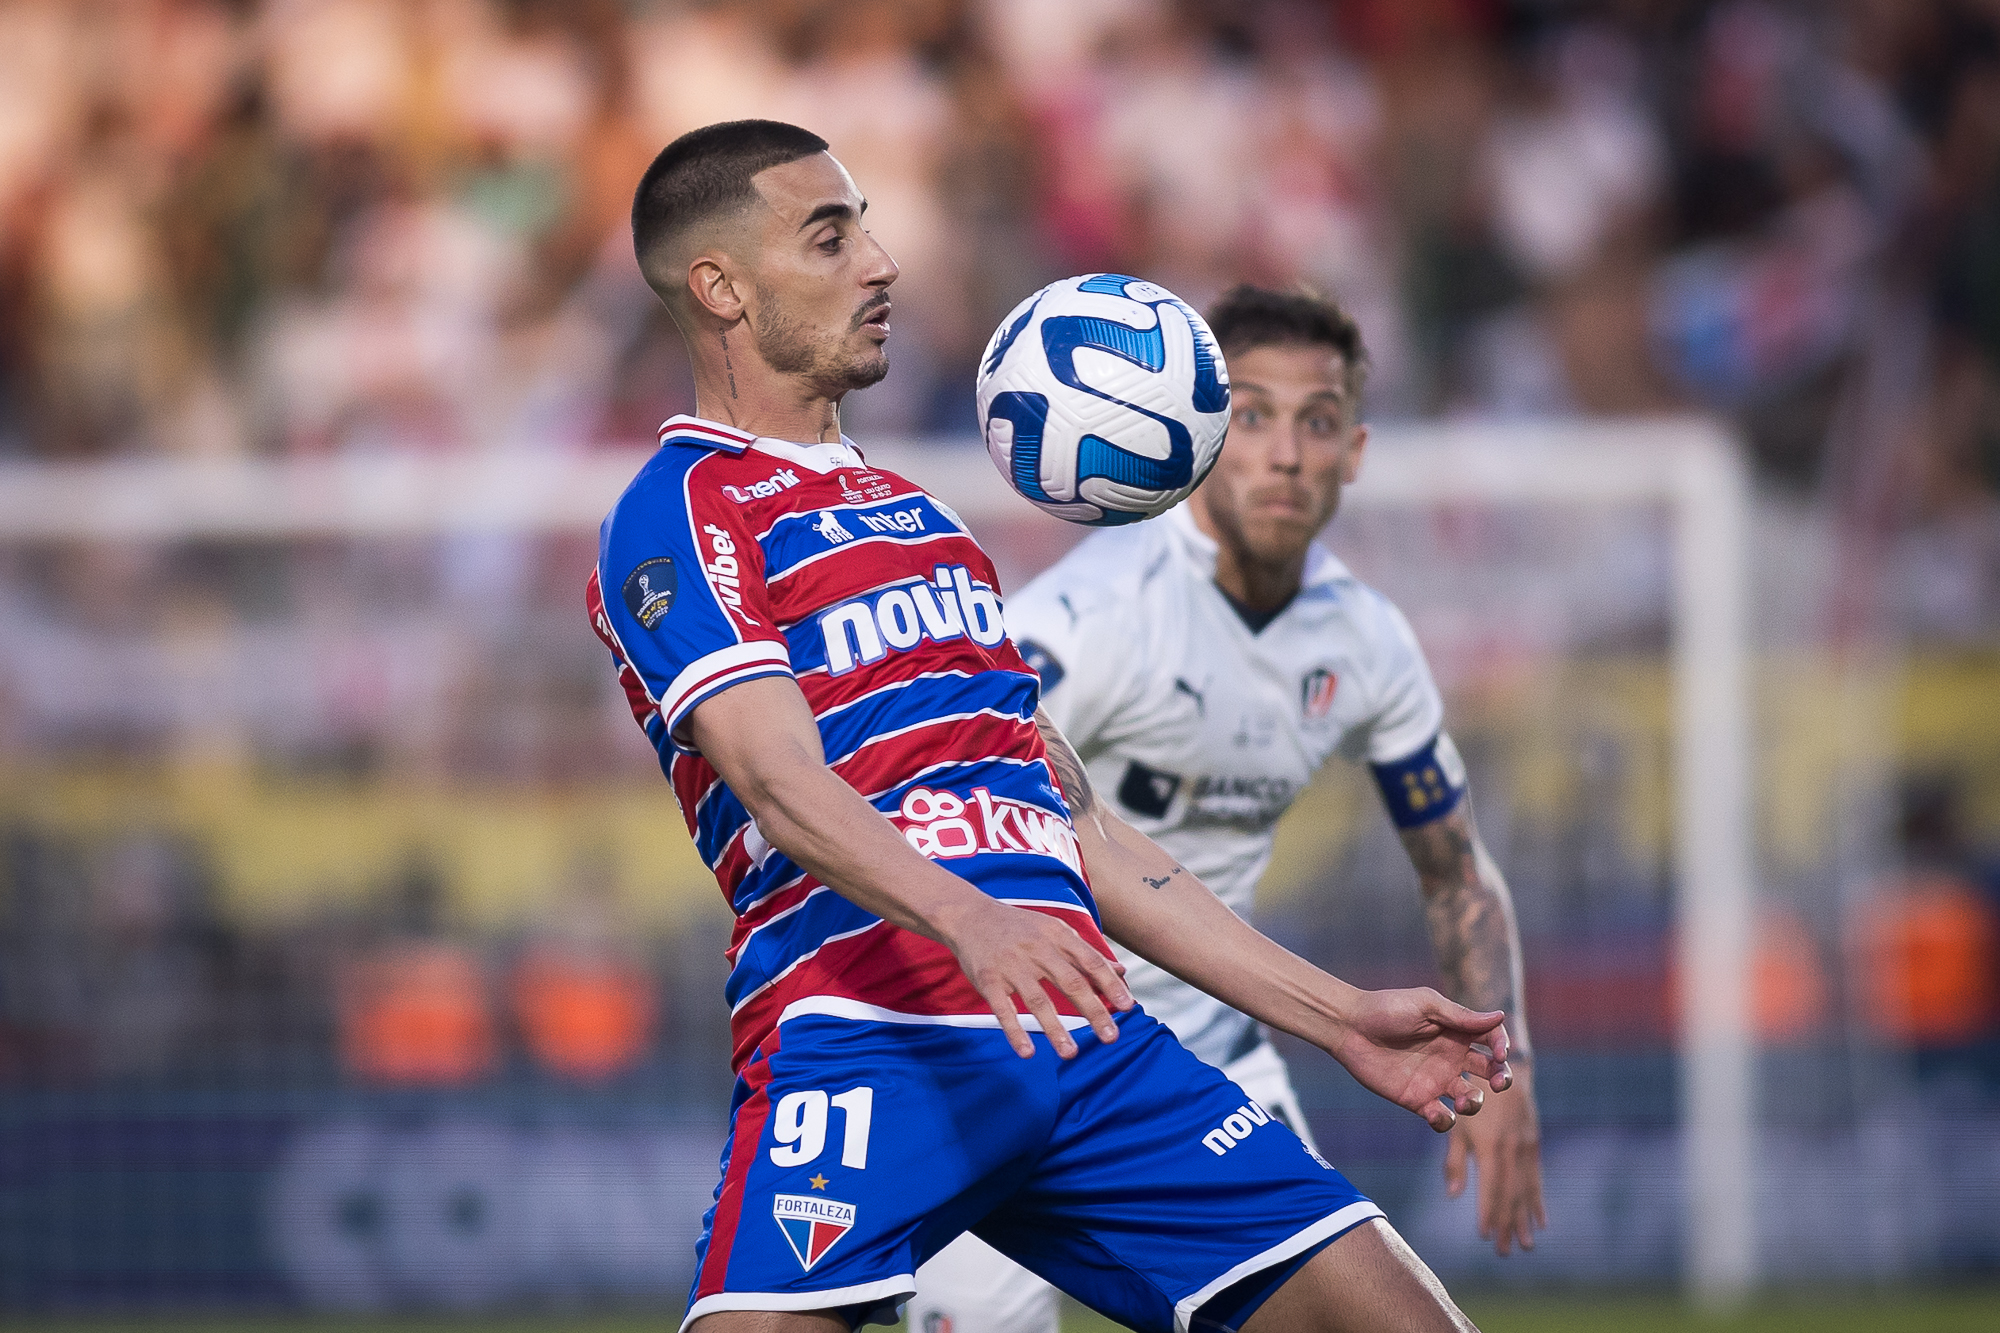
{"type": "Point", "coordinates": [970, 1287]}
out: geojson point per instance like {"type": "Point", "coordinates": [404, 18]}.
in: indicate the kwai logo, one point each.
{"type": "Point", "coordinates": [811, 1225]}
{"type": "Point", "coordinates": [724, 574]}
{"type": "Point", "coordinates": [947, 607]}
{"type": "Point", "coordinates": [945, 826]}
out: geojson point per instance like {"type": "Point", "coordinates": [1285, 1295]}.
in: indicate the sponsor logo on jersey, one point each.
{"type": "Point", "coordinates": [858, 487]}
{"type": "Point", "coordinates": [1235, 1127]}
{"type": "Point", "coordinates": [1147, 791]}
{"type": "Point", "coordinates": [944, 826]}
{"type": "Point", "coordinates": [812, 1225]}
{"type": "Point", "coordinates": [951, 605]}
{"type": "Point", "coordinates": [725, 575]}
{"type": "Point", "coordinates": [1237, 798]}
{"type": "Point", "coordinates": [1044, 662]}
{"type": "Point", "coordinates": [831, 528]}
{"type": "Point", "coordinates": [895, 521]}
{"type": "Point", "coordinates": [1316, 692]}
{"type": "Point", "coordinates": [776, 484]}
{"type": "Point", "coordinates": [649, 591]}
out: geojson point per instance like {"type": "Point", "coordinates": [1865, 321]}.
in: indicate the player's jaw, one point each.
{"type": "Point", "coordinates": [822, 282]}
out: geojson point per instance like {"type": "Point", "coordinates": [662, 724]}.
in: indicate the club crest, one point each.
{"type": "Point", "coordinates": [811, 1226]}
{"type": "Point", "coordinates": [1316, 692]}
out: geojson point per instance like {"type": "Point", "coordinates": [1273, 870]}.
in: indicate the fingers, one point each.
{"type": "Point", "coordinates": [1082, 989]}
{"type": "Point", "coordinates": [1107, 976]}
{"type": "Point", "coordinates": [1454, 1167]}
{"type": "Point", "coordinates": [1437, 1113]}
{"type": "Point", "coordinates": [1481, 1064]}
{"type": "Point", "coordinates": [1494, 1200]}
{"type": "Point", "coordinates": [1467, 1096]}
{"type": "Point", "coordinates": [1036, 997]}
{"type": "Point", "coordinates": [1001, 1001]}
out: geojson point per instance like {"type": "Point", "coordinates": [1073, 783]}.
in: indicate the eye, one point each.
{"type": "Point", "coordinates": [1250, 417]}
{"type": "Point", "coordinates": [831, 245]}
{"type": "Point", "coordinates": [1321, 423]}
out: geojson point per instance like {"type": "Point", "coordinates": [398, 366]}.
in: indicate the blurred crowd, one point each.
{"type": "Point", "coordinates": [311, 225]}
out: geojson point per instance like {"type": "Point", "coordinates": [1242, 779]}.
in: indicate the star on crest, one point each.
{"type": "Point", "coordinates": [817, 1181]}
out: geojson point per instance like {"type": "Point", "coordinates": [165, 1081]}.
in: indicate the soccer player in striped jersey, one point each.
{"type": "Point", "coordinates": [1205, 665]}
{"type": "Point", "coordinates": [930, 1032]}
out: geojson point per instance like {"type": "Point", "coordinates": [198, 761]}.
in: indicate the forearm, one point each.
{"type": "Point", "coordinates": [1470, 916]}
{"type": "Point", "coordinates": [1159, 910]}
{"type": "Point", "coordinates": [764, 743]}
{"type": "Point", "coordinates": [1167, 916]}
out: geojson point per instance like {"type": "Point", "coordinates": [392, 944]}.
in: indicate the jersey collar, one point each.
{"type": "Point", "coordinates": [701, 433]}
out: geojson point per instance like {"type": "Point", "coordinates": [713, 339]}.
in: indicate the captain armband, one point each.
{"type": "Point", "coordinates": [1422, 786]}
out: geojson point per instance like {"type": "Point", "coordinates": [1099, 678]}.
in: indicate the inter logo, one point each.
{"type": "Point", "coordinates": [1316, 692]}
{"type": "Point", "coordinates": [811, 1225]}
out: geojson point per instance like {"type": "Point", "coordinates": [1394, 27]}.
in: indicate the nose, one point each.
{"type": "Point", "coordinates": [878, 270]}
{"type": "Point", "coordinates": [1287, 451]}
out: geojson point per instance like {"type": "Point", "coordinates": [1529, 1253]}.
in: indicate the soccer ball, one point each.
{"type": "Point", "coordinates": [1103, 399]}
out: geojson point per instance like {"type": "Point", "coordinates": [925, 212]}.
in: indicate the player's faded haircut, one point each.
{"type": "Point", "coordinates": [1245, 317]}
{"type": "Point", "coordinates": [704, 173]}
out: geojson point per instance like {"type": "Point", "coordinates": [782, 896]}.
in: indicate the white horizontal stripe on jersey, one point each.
{"type": "Point", "coordinates": [839, 1006]}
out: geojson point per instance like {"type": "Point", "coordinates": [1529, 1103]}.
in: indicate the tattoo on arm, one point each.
{"type": "Point", "coordinates": [1469, 913]}
{"type": "Point", "coordinates": [1069, 769]}
{"type": "Point", "coordinates": [1165, 879]}
{"type": "Point", "coordinates": [728, 365]}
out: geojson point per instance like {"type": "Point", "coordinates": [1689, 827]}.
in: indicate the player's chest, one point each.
{"type": "Point", "coordinates": [1232, 726]}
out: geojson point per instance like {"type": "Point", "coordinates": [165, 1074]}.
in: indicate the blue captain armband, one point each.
{"type": "Point", "coordinates": [1422, 786]}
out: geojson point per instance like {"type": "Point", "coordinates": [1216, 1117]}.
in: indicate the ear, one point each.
{"type": "Point", "coordinates": [1350, 467]}
{"type": "Point", "coordinates": [713, 286]}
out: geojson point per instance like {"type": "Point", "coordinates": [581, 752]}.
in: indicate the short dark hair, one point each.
{"type": "Point", "coordinates": [706, 172]}
{"type": "Point", "coordinates": [1245, 317]}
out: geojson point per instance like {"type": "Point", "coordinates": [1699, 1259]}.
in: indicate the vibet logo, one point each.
{"type": "Point", "coordinates": [947, 606]}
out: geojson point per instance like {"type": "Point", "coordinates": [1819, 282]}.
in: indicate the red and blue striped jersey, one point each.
{"type": "Point", "coordinates": [731, 558]}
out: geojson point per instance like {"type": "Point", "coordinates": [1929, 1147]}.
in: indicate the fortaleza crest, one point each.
{"type": "Point", "coordinates": [811, 1225]}
{"type": "Point", "coordinates": [1316, 692]}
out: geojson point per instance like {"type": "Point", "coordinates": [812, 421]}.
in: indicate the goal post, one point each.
{"type": "Point", "coordinates": [1687, 466]}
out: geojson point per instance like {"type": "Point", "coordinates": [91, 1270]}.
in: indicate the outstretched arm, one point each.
{"type": "Point", "coordinates": [762, 739]}
{"type": "Point", "coordinates": [1478, 947]}
{"type": "Point", "coordinates": [1414, 1047]}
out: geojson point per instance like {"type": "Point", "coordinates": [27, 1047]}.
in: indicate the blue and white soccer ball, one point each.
{"type": "Point", "coordinates": [1103, 399]}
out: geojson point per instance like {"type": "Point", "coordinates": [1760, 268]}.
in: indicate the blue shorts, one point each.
{"type": "Point", "coordinates": [1134, 1177]}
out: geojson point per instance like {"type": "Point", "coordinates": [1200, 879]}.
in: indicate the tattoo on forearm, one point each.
{"type": "Point", "coordinates": [1165, 879]}
{"type": "Point", "coordinates": [1069, 769]}
{"type": "Point", "coordinates": [1469, 913]}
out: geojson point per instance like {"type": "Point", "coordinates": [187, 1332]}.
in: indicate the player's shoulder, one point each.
{"type": "Point", "coordinates": [1333, 596]}
{"type": "Point", "coordinates": [1108, 572]}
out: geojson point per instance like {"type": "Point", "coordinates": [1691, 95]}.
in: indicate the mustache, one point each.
{"type": "Point", "coordinates": [880, 301]}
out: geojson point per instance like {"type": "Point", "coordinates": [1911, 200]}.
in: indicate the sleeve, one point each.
{"type": "Point", "coordinates": [1415, 765]}
{"type": "Point", "coordinates": [1068, 634]}
{"type": "Point", "coordinates": [682, 600]}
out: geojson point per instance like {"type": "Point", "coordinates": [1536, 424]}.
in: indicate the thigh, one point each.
{"type": "Point", "coordinates": [970, 1287]}
{"type": "Point", "coordinates": [1165, 1185]}
{"type": "Point", "coordinates": [856, 1150]}
{"type": "Point", "coordinates": [1368, 1281]}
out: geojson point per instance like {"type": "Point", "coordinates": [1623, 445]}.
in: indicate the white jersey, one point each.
{"type": "Point", "coordinates": [1203, 732]}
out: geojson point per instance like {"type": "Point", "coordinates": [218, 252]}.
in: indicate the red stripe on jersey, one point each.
{"type": "Point", "coordinates": [883, 764]}
{"type": "Point", "coordinates": [893, 969]}
{"type": "Point", "coordinates": [746, 1140]}
{"type": "Point", "coordinates": [837, 576]}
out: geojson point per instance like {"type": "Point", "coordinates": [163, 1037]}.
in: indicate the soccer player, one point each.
{"type": "Point", "coordinates": [930, 1033]}
{"type": "Point", "coordinates": [1204, 666]}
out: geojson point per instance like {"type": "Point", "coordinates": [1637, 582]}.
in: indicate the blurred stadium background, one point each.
{"type": "Point", "coordinates": [351, 954]}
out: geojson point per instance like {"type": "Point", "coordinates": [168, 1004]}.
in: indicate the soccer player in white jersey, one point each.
{"type": "Point", "coordinates": [1204, 665]}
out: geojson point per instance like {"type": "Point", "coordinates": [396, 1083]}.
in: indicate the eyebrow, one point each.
{"type": "Point", "coordinates": [826, 211]}
{"type": "Point", "coordinates": [1250, 386]}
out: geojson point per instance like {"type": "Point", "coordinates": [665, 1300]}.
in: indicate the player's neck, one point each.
{"type": "Point", "coordinates": [740, 390]}
{"type": "Point", "coordinates": [1252, 583]}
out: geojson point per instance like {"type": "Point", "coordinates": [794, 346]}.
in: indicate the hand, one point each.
{"type": "Point", "coordinates": [1011, 954]}
{"type": "Point", "coordinates": [1506, 1142]}
{"type": "Point", "coordinates": [1423, 1052]}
